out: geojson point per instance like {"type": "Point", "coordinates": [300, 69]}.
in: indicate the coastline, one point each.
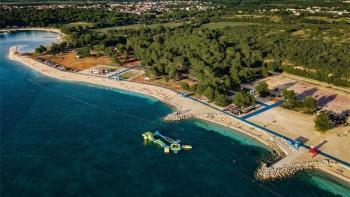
{"type": "Point", "coordinates": [164, 95]}
{"type": "Point", "coordinates": [336, 176]}
{"type": "Point", "coordinates": [185, 105]}
{"type": "Point", "coordinates": [53, 30]}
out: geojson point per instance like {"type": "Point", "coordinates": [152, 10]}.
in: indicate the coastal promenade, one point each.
{"type": "Point", "coordinates": [189, 106]}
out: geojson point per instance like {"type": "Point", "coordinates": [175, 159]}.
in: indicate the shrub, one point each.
{"type": "Point", "coordinates": [262, 88]}
{"type": "Point", "coordinates": [322, 122]}
{"type": "Point", "coordinates": [83, 52]}
{"type": "Point", "coordinates": [309, 105]}
{"type": "Point", "coordinates": [184, 86]}
{"type": "Point", "coordinates": [221, 100]}
{"type": "Point", "coordinates": [243, 99]}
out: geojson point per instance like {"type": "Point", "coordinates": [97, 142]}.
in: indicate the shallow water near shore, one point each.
{"type": "Point", "coordinates": [69, 139]}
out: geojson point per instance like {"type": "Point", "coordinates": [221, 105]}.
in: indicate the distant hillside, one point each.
{"type": "Point", "coordinates": [232, 2]}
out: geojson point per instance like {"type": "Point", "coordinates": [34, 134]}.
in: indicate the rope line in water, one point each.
{"type": "Point", "coordinates": [91, 104]}
{"type": "Point", "coordinates": [207, 154]}
{"type": "Point", "coordinates": [232, 170]}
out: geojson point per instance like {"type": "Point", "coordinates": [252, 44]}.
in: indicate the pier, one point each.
{"type": "Point", "coordinates": [288, 159]}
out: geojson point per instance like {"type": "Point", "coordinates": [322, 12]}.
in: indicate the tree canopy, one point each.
{"type": "Point", "coordinates": [262, 88]}
{"type": "Point", "coordinates": [322, 122]}
{"type": "Point", "coordinates": [243, 99]}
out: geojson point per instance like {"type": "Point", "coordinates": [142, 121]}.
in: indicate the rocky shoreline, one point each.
{"type": "Point", "coordinates": [265, 173]}
{"type": "Point", "coordinates": [177, 116]}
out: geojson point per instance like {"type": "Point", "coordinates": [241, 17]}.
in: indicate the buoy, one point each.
{"type": "Point", "coordinates": [186, 147]}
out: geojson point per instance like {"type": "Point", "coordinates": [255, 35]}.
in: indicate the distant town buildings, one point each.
{"type": "Point", "coordinates": [125, 7]}
{"type": "Point", "coordinates": [310, 10]}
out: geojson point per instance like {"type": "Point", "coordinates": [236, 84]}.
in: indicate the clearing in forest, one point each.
{"type": "Point", "coordinates": [69, 60]}
{"type": "Point", "coordinates": [138, 26]}
{"type": "Point", "coordinates": [220, 25]}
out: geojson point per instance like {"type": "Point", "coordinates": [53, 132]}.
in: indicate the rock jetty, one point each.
{"type": "Point", "coordinates": [265, 173]}
{"type": "Point", "coordinates": [176, 116]}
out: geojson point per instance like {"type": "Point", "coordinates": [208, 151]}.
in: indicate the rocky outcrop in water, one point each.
{"type": "Point", "coordinates": [271, 173]}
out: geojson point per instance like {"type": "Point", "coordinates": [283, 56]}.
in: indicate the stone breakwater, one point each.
{"type": "Point", "coordinates": [229, 122]}
{"type": "Point", "coordinates": [270, 173]}
{"type": "Point", "coordinates": [176, 116]}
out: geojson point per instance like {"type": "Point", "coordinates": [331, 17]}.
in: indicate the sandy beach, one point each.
{"type": "Point", "coordinates": [182, 104]}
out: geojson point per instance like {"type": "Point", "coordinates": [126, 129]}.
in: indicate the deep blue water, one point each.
{"type": "Point", "coordinates": [67, 139]}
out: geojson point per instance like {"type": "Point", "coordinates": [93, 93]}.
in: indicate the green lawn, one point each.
{"type": "Point", "coordinates": [220, 25]}
{"type": "Point", "coordinates": [83, 24]}
{"type": "Point", "coordinates": [329, 20]}
{"type": "Point", "coordinates": [137, 26]}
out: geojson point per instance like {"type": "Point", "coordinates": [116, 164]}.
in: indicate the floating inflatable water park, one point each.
{"type": "Point", "coordinates": [165, 142]}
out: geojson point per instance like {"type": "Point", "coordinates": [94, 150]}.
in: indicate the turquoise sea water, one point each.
{"type": "Point", "coordinates": [67, 139]}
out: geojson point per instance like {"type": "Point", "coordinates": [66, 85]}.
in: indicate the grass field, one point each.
{"type": "Point", "coordinates": [132, 74]}
{"type": "Point", "coordinates": [329, 20]}
{"type": "Point", "coordinates": [220, 25]}
{"type": "Point", "coordinates": [137, 26]}
{"type": "Point", "coordinates": [83, 24]}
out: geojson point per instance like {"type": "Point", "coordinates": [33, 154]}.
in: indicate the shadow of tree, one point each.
{"type": "Point", "coordinates": [324, 100]}
{"type": "Point", "coordinates": [308, 92]}
{"type": "Point", "coordinates": [345, 113]}
{"type": "Point", "coordinates": [302, 139]}
{"type": "Point", "coordinates": [279, 88]}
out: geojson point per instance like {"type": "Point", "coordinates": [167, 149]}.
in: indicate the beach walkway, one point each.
{"type": "Point", "coordinates": [289, 158]}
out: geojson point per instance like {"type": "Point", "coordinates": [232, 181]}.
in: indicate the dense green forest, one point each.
{"type": "Point", "coordinates": [220, 60]}
{"type": "Point", "coordinates": [100, 17]}
{"type": "Point", "coordinates": [217, 49]}
{"type": "Point", "coordinates": [55, 17]}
